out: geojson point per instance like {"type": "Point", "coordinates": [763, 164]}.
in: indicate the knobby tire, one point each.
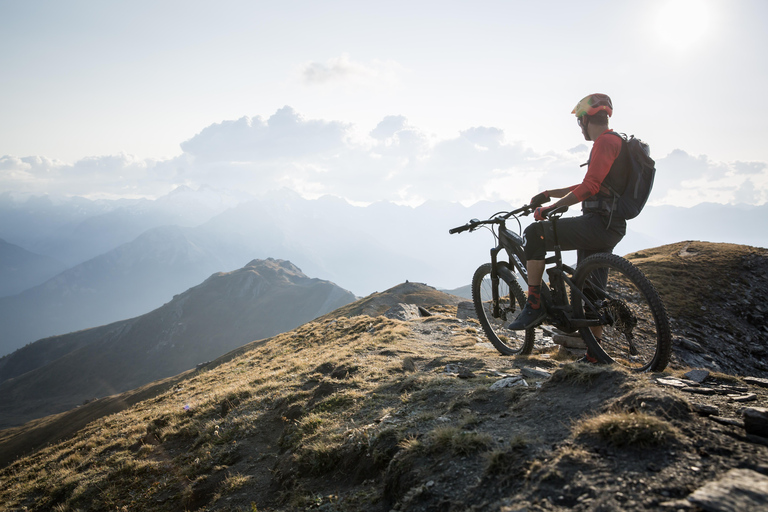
{"type": "Point", "coordinates": [638, 334]}
{"type": "Point", "coordinates": [511, 302]}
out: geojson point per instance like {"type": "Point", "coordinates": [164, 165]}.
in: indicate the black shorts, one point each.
{"type": "Point", "coordinates": [586, 234]}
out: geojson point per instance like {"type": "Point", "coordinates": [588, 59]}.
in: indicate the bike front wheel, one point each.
{"type": "Point", "coordinates": [497, 303]}
{"type": "Point", "coordinates": [634, 330]}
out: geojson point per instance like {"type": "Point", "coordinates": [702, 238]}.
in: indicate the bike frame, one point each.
{"type": "Point", "coordinates": [559, 307]}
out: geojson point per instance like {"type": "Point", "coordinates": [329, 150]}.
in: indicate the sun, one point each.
{"type": "Point", "coordinates": [681, 24]}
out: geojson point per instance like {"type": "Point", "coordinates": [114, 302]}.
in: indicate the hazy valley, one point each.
{"type": "Point", "coordinates": [114, 260]}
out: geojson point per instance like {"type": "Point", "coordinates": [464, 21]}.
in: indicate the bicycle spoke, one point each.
{"type": "Point", "coordinates": [495, 316]}
{"type": "Point", "coordinates": [635, 330]}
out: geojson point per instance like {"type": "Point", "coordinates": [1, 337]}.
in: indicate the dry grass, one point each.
{"type": "Point", "coordinates": [159, 454]}
{"type": "Point", "coordinates": [691, 262]}
{"type": "Point", "coordinates": [458, 441]}
{"type": "Point", "coordinates": [583, 373]}
{"type": "Point", "coordinates": [628, 429]}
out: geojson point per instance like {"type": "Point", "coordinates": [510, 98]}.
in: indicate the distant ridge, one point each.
{"type": "Point", "coordinates": [229, 309]}
{"type": "Point", "coordinates": [377, 303]}
{"type": "Point", "coordinates": [21, 269]}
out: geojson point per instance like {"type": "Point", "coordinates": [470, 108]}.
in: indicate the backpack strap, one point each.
{"type": "Point", "coordinates": [613, 192]}
{"type": "Point", "coordinates": [624, 139]}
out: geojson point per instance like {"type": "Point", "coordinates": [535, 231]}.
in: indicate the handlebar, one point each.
{"type": "Point", "coordinates": [498, 219]}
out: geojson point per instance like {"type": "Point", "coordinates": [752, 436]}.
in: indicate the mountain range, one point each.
{"type": "Point", "coordinates": [227, 310]}
{"type": "Point", "coordinates": [21, 269]}
{"type": "Point", "coordinates": [129, 257]}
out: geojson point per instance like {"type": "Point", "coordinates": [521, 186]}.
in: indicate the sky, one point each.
{"type": "Point", "coordinates": [404, 101]}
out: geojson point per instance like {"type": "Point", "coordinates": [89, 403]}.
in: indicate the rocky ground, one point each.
{"type": "Point", "coordinates": [547, 458]}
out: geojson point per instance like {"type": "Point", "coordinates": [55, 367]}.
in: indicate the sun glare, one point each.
{"type": "Point", "coordinates": [682, 23]}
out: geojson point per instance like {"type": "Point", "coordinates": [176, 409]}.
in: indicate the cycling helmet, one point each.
{"type": "Point", "coordinates": [593, 104]}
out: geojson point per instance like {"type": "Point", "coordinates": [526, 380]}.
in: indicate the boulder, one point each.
{"type": "Point", "coordinates": [697, 375]}
{"type": "Point", "coordinates": [569, 341]}
{"type": "Point", "coordinates": [403, 312]}
{"type": "Point", "coordinates": [466, 310]}
{"type": "Point", "coordinates": [738, 489]}
{"type": "Point", "coordinates": [756, 421]}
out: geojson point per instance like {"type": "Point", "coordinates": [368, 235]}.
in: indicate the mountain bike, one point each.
{"type": "Point", "coordinates": [606, 299]}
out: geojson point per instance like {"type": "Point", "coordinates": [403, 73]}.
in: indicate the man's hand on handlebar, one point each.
{"type": "Point", "coordinates": [540, 213]}
{"type": "Point", "coordinates": [540, 198]}
{"type": "Point", "coordinates": [543, 212]}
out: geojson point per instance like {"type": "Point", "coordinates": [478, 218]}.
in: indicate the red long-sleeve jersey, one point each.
{"type": "Point", "coordinates": [605, 150]}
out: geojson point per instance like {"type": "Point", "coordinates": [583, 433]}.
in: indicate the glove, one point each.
{"type": "Point", "coordinates": [540, 198]}
{"type": "Point", "coordinates": [540, 213]}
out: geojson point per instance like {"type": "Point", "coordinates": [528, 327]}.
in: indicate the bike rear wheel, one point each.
{"type": "Point", "coordinates": [636, 331]}
{"type": "Point", "coordinates": [495, 315]}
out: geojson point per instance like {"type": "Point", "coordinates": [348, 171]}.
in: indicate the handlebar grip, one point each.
{"type": "Point", "coordinates": [459, 229]}
{"type": "Point", "coordinates": [555, 211]}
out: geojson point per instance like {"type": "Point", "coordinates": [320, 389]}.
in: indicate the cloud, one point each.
{"type": "Point", "coordinates": [109, 176]}
{"type": "Point", "coordinates": [750, 167]}
{"type": "Point", "coordinates": [687, 180]}
{"type": "Point", "coordinates": [388, 127]}
{"type": "Point", "coordinates": [484, 136]}
{"type": "Point", "coordinates": [396, 161]}
{"type": "Point", "coordinates": [342, 70]}
{"type": "Point", "coordinates": [284, 135]}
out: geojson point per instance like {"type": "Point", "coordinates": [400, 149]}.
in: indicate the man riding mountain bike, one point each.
{"type": "Point", "coordinates": [598, 229]}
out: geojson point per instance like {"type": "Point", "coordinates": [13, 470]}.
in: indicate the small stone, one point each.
{"type": "Point", "coordinates": [508, 383]}
{"type": "Point", "coordinates": [697, 375]}
{"type": "Point", "coordinates": [726, 421]}
{"type": "Point", "coordinates": [706, 409]}
{"type": "Point", "coordinates": [465, 373]}
{"type": "Point", "coordinates": [738, 489]}
{"type": "Point", "coordinates": [675, 383]}
{"type": "Point", "coordinates": [535, 373]}
{"type": "Point", "coordinates": [757, 381]}
{"type": "Point", "coordinates": [698, 391]}
{"type": "Point", "coordinates": [569, 341]}
{"type": "Point", "coordinates": [452, 368]}
{"type": "Point", "coordinates": [676, 505]}
{"type": "Point", "coordinates": [756, 421]}
{"type": "Point", "coordinates": [466, 310]}
{"type": "Point", "coordinates": [749, 397]}
{"type": "Point", "coordinates": [735, 387]}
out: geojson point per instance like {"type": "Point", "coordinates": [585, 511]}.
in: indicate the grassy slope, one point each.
{"type": "Point", "coordinates": [111, 463]}
{"type": "Point", "coordinates": [319, 414]}
{"type": "Point", "coordinates": [356, 412]}
{"type": "Point", "coordinates": [687, 274]}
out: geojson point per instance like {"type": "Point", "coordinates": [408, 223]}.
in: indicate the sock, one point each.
{"type": "Point", "coordinates": [534, 296]}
